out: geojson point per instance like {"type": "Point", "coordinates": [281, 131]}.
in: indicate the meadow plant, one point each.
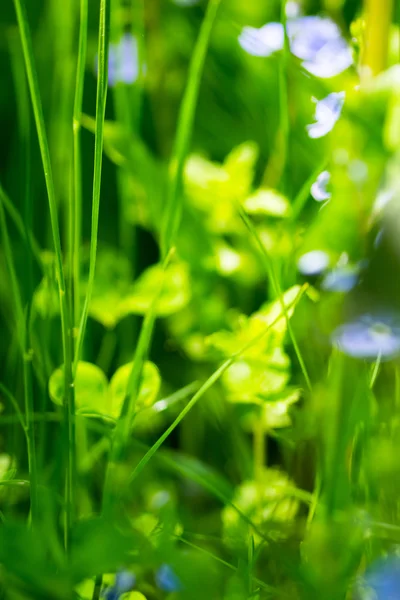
{"type": "Point", "coordinates": [200, 300]}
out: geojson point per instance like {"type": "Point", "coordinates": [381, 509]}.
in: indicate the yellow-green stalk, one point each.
{"type": "Point", "coordinates": [378, 18]}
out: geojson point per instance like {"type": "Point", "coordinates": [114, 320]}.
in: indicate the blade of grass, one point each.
{"type": "Point", "coordinates": [21, 327]}
{"type": "Point", "coordinates": [101, 99]}
{"type": "Point", "coordinates": [18, 221]}
{"type": "Point", "coordinates": [207, 384]}
{"type": "Point", "coordinates": [76, 204]}
{"type": "Point", "coordinates": [124, 423]}
{"type": "Point", "coordinates": [33, 84]}
{"type": "Point", "coordinates": [173, 207]}
{"type": "Point", "coordinates": [270, 271]}
{"type": "Point", "coordinates": [267, 588]}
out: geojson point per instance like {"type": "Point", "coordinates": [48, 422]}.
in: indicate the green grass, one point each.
{"type": "Point", "coordinates": [178, 400]}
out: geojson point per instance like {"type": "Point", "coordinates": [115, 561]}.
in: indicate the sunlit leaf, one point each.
{"type": "Point", "coordinates": [247, 381]}
{"type": "Point", "coordinates": [149, 388]}
{"type": "Point", "coordinates": [91, 388]}
{"type": "Point", "coordinates": [266, 502]}
{"type": "Point", "coordinates": [174, 296]}
{"type": "Point", "coordinates": [267, 202]}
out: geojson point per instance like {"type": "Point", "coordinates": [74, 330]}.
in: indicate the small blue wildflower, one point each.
{"type": "Point", "coordinates": [317, 41]}
{"type": "Point", "coordinates": [327, 112]}
{"type": "Point", "coordinates": [123, 61]}
{"type": "Point", "coordinates": [313, 263]}
{"type": "Point", "coordinates": [124, 582]}
{"type": "Point", "coordinates": [381, 581]}
{"type": "Point", "coordinates": [319, 188]}
{"type": "Point", "coordinates": [341, 279]}
{"type": "Point", "coordinates": [167, 580]}
{"type": "Point", "coordinates": [369, 337]}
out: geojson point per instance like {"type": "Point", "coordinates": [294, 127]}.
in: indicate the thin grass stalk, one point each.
{"type": "Point", "coordinates": [101, 98]}
{"type": "Point", "coordinates": [22, 333]}
{"type": "Point", "coordinates": [33, 84]}
{"type": "Point", "coordinates": [76, 214]}
{"type": "Point", "coordinates": [270, 271]}
{"type": "Point", "coordinates": [173, 208]}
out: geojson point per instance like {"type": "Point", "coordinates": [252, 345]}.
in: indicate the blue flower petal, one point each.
{"type": "Point", "coordinates": [123, 61]}
{"type": "Point", "coordinates": [341, 279]}
{"type": "Point", "coordinates": [382, 580]}
{"type": "Point", "coordinates": [319, 188]}
{"type": "Point", "coordinates": [166, 579]}
{"type": "Point", "coordinates": [317, 41]}
{"type": "Point", "coordinates": [327, 112]}
{"type": "Point", "coordinates": [264, 41]}
{"type": "Point", "coordinates": [125, 581]}
{"type": "Point", "coordinates": [313, 263]}
{"type": "Point", "coordinates": [369, 337]}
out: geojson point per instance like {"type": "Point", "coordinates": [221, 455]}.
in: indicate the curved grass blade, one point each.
{"type": "Point", "coordinates": [33, 83]}
{"type": "Point", "coordinates": [269, 268]}
{"type": "Point", "coordinates": [76, 204]}
{"type": "Point", "coordinates": [101, 98]}
{"type": "Point", "coordinates": [22, 333]}
{"type": "Point", "coordinates": [173, 207]}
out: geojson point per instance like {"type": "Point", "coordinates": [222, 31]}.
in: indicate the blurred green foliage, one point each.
{"type": "Point", "coordinates": [222, 443]}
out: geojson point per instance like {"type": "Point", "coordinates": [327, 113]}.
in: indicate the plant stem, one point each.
{"type": "Point", "coordinates": [76, 205]}
{"type": "Point", "coordinates": [101, 98]}
{"type": "Point", "coordinates": [33, 83]}
{"type": "Point", "coordinates": [22, 333]}
{"type": "Point", "coordinates": [378, 16]}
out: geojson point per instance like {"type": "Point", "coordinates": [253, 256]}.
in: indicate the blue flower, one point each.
{"type": "Point", "coordinates": [341, 279]}
{"type": "Point", "coordinates": [166, 579]}
{"type": "Point", "coordinates": [369, 337]}
{"type": "Point", "coordinates": [124, 582]}
{"type": "Point", "coordinates": [327, 112]}
{"type": "Point", "coordinates": [123, 61]}
{"type": "Point", "coordinates": [319, 188]}
{"type": "Point", "coordinates": [317, 41]}
{"type": "Point", "coordinates": [381, 581]}
{"type": "Point", "coordinates": [313, 263]}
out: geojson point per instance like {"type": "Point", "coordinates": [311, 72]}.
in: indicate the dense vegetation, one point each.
{"type": "Point", "coordinates": [200, 309]}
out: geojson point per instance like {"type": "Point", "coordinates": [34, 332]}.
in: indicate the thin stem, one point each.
{"type": "Point", "coordinates": [22, 334]}
{"type": "Point", "coordinates": [33, 83]}
{"type": "Point", "coordinates": [270, 271]}
{"type": "Point", "coordinates": [76, 214]}
{"type": "Point", "coordinates": [101, 98]}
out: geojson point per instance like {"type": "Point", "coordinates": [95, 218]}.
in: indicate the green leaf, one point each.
{"type": "Point", "coordinates": [245, 380]}
{"type": "Point", "coordinates": [149, 387]}
{"type": "Point", "coordinates": [266, 502]}
{"type": "Point", "coordinates": [267, 202]}
{"type": "Point", "coordinates": [240, 166]}
{"type": "Point", "coordinates": [91, 388]}
{"type": "Point", "coordinates": [111, 284]}
{"type": "Point", "coordinates": [174, 296]}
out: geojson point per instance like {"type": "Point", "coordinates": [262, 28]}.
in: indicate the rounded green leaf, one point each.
{"type": "Point", "coordinates": [149, 387]}
{"type": "Point", "coordinates": [91, 388]}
